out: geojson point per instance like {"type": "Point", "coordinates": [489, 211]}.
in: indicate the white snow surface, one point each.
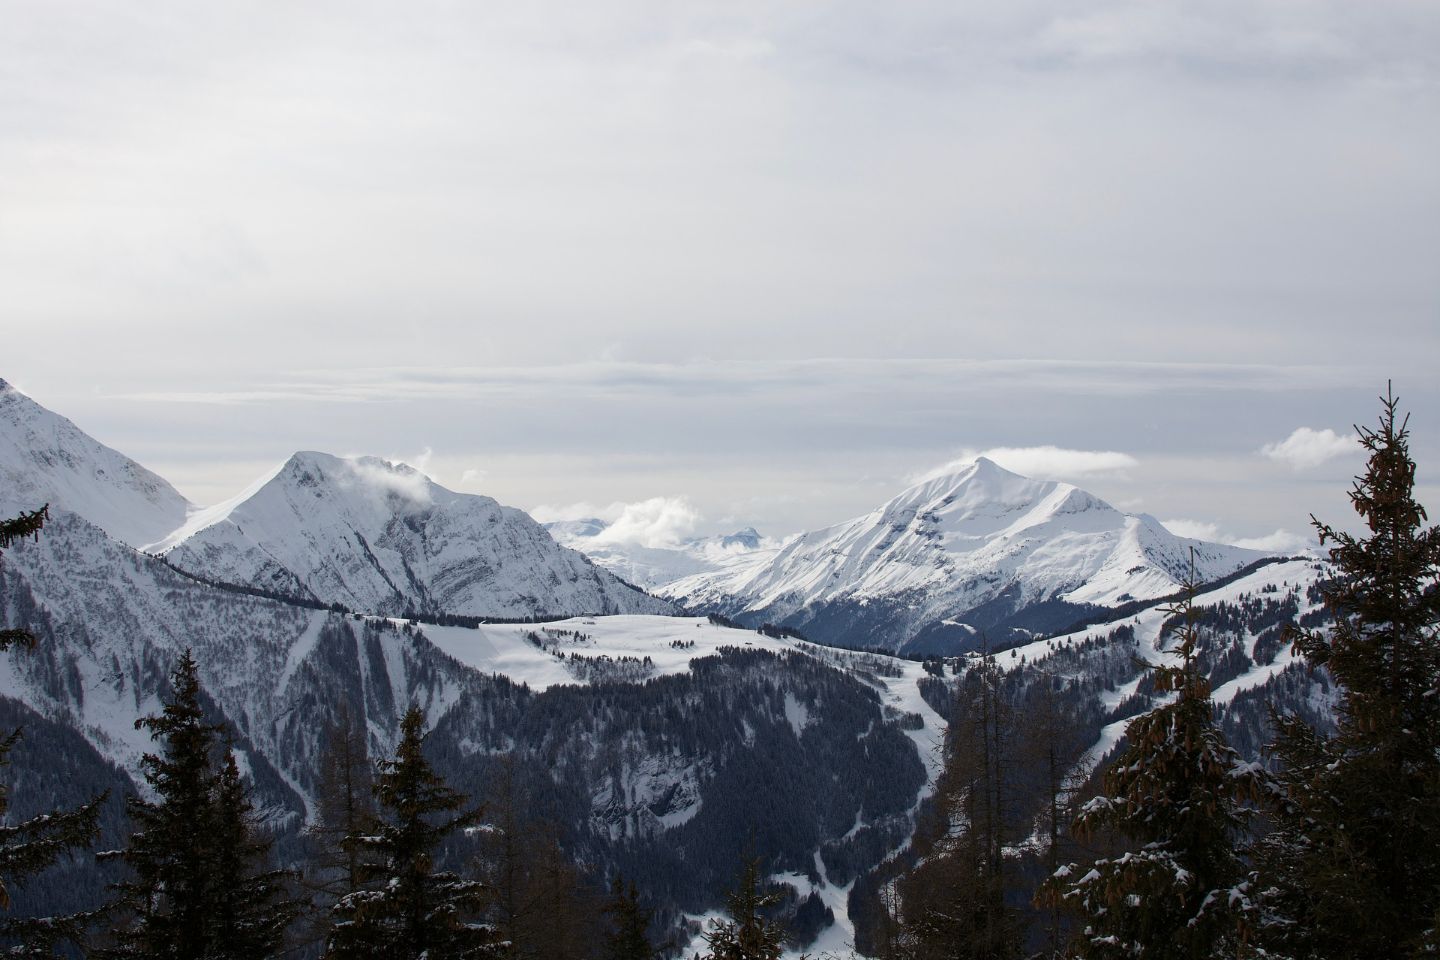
{"type": "Point", "coordinates": [956, 540]}
{"type": "Point", "coordinates": [381, 537]}
{"type": "Point", "coordinates": [45, 458]}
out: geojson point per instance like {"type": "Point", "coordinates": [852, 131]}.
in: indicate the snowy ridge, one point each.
{"type": "Point", "coordinates": [45, 458]}
{"type": "Point", "coordinates": [1150, 642]}
{"type": "Point", "coordinates": [956, 542]}
{"type": "Point", "coordinates": [382, 537]}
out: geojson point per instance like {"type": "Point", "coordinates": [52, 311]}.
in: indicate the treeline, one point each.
{"type": "Point", "coordinates": [1179, 847]}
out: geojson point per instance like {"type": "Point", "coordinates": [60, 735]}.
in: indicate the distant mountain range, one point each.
{"type": "Point", "coordinates": [661, 744]}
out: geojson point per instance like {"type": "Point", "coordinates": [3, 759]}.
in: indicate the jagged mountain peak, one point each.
{"type": "Point", "coordinates": [381, 536]}
{"type": "Point", "coordinates": [46, 458]}
{"type": "Point", "coordinates": [395, 482]}
{"type": "Point", "coordinates": [978, 482]}
{"type": "Point", "coordinates": [971, 540]}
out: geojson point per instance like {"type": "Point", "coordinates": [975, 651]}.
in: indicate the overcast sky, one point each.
{"type": "Point", "coordinates": [772, 258]}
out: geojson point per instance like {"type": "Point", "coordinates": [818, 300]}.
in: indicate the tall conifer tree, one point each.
{"type": "Point", "coordinates": [407, 910]}
{"type": "Point", "coordinates": [199, 887]}
{"type": "Point", "coordinates": [1353, 869]}
{"type": "Point", "coordinates": [1180, 795]}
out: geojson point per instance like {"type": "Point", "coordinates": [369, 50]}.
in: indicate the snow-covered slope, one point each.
{"type": "Point", "coordinates": [44, 458]}
{"type": "Point", "coordinates": [979, 548]}
{"type": "Point", "coordinates": [653, 567]}
{"type": "Point", "coordinates": [382, 537]}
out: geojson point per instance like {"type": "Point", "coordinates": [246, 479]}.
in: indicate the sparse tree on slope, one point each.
{"type": "Point", "coordinates": [407, 910]}
{"type": "Point", "coordinates": [344, 809]}
{"type": "Point", "coordinates": [537, 901]}
{"type": "Point", "coordinates": [747, 935]}
{"type": "Point", "coordinates": [1179, 794]}
{"type": "Point", "coordinates": [1353, 868]}
{"type": "Point", "coordinates": [954, 901]}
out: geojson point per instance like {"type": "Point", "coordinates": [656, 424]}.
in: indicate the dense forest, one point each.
{"type": "Point", "coordinates": [476, 836]}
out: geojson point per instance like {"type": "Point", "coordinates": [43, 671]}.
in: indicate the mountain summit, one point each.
{"type": "Point", "coordinates": [383, 537]}
{"type": "Point", "coordinates": [970, 550]}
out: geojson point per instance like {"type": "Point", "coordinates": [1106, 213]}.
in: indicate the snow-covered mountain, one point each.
{"type": "Point", "coordinates": [975, 549]}
{"type": "Point", "coordinates": [44, 458]}
{"type": "Point", "coordinates": [653, 567]}
{"type": "Point", "coordinates": [831, 751]}
{"type": "Point", "coordinates": [382, 537]}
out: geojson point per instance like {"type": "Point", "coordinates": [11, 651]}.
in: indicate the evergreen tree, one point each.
{"type": "Point", "coordinates": [1353, 868]}
{"type": "Point", "coordinates": [628, 938]}
{"type": "Point", "coordinates": [407, 910]}
{"type": "Point", "coordinates": [198, 889]}
{"type": "Point", "coordinates": [254, 908]}
{"type": "Point", "coordinates": [748, 934]}
{"type": "Point", "coordinates": [1179, 794]}
{"type": "Point", "coordinates": [28, 847]}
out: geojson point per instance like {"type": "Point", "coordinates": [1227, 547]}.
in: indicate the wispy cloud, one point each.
{"type": "Point", "coordinates": [1280, 541]}
{"type": "Point", "coordinates": [656, 522]}
{"type": "Point", "coordinates": [384, 476]}
{"type": "Point", "coordinates": [1307, 448]}
{"type": "Point", "coordinates": [1043, 462]}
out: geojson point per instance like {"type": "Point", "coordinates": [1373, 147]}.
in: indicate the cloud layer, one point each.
{"type": "Point", "coordinates": [1307, 448]}
{"type": "Point", "coordinates": [661, 522]}
{"type": "Point", "coordinates": [1043, 462]}
{"type": "Point", "coordinates": [1280, 541]}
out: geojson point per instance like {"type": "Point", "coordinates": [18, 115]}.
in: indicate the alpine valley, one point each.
{"type": "Point", "coordinates": [789, 698]}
